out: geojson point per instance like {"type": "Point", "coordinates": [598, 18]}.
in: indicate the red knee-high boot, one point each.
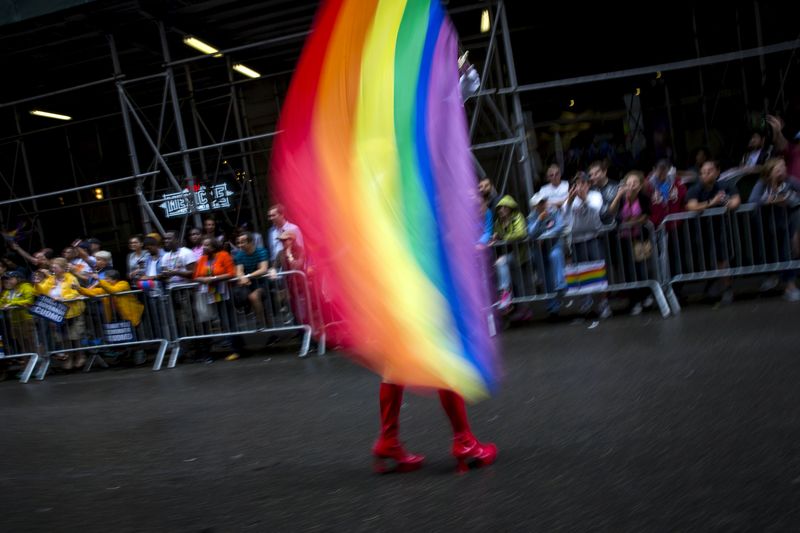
{"type": "Point", "coordinates": [388, 446]}
{"type": "Point", "coordinates": [466, 448]}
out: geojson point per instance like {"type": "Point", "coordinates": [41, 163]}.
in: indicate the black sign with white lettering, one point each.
{"type": "Point", "coordinates": [49, 309]}
{"type": "Point", "coordinates": [115, 332]}
{"type": "Point", "coordinates": [178, 204]}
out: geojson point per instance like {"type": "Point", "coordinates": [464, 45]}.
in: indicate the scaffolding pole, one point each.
{"type": "Point", "coordinates": [176, 108]}
{"type": "Point", "coordinates": [126, 122]}
{"type": "Point", "coordinates": [519, 123]}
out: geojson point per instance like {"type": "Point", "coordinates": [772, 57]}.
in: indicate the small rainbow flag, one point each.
{"type": "Point", "coordinates": [373, 163]}
{"type": "Point", "coordinates": [589, 276]}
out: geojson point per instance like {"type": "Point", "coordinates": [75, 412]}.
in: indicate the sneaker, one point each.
{"type": "Point", "coordinates": [648, 302]}
{"type": "Point", "coordinates": [586, 305]}
{"type": "Point", "coordinates": [139, 357]}
{"type": "Point", "coordinates": [727, 297]}
{"type": "Point", "coordinates": [605, 310]}
{"type": "Point", "coordinates": [769, 284]}
{"type": "Point", "coordinates": [505, 299]}
{"type": "Point", "coordinates": [637, 309]}
{"type": "Point", "coordinates": [792, 295]}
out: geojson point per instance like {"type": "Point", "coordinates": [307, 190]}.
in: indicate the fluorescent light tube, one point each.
{"type": "Point", "coordinates": [197, 44]}
{"type": "Point", "coordinates": [40, 113]}
{"type": "Point", "coordinates": [238, 67]}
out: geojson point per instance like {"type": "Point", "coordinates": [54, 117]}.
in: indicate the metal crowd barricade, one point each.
{"type": "Point", "coordinates": [287, 304]}
{"type": "Point", "coordinates": [101, 328]}
{"type": "Point", "coordinates": [19, 339]}
{"type": "Point", "coordinates": [718, 243]}
{"type": "Point", "coordinates": [628, 254]}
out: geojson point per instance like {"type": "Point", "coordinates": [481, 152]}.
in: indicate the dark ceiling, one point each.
{"type": "Point", "coordinates": [551, 40]}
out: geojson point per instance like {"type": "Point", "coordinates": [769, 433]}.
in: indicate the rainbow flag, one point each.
{"type": "Point", "coordinates": [586, 277]}
{"type": "Point", "coordinates": [373, 164]}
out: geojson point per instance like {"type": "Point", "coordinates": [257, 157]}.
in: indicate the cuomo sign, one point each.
{"type": "Point", "coordinates": [178, 204]}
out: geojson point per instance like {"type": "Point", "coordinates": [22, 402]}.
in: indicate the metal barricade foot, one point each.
{"type": "Point", "coordinates": [321, 347]}
{"type": "Point", "coordinates": [672, 298]}
{"type": "Point", "coordinates": [661, 300]}
{"type": "Point", "coordinates": [173, 358]}
{"type": "Point", "coordinates": [306, 342]}
{"type": "Point", "coordinates": [44, 366]}
{"type": "Point", "coordinates": [33, 359]}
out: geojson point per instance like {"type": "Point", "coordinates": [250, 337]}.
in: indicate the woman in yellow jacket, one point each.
{"type": "Point", "coordinates": [16, 297]}
{"type": "Point", "coordinates": [127, 306]}
{"type": "Point", "coordinates": [59, 285]}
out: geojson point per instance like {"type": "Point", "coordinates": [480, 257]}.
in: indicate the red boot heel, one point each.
{"type": "Point", "coordinates": [394, 459]}
{"type": "Point", "coordinates": [389, 455]}
{"type": "Point", "coordinates": [474, 454]}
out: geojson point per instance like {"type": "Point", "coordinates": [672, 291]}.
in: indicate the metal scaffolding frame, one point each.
{"type": "Point", "coordinates": [498, 128]}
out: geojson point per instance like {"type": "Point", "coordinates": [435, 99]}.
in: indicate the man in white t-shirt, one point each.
{"type": "Point", "coordinates": [555, 191]}
{"type": "Point", "coordinates": [177, 264]}
{"type": "Point", "coordinates": [279, 225]}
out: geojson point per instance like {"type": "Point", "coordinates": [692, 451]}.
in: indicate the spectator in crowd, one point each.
{"type": "Point", "coordinates": [196, 243]}
{"type": "Point", "coordinates": [632, 204]}
{"type": "Point", "coordinates": [147, 277]}
{"type": "Point", "coordinates": [245, 227]}
{"type": "Point", "coordinates": [177, 267]}
{"type": "Point", "coordinates": [699, 155]}
{"type": "Point", "coordinates": [251, 265]}
{"type": "Point", "coordinates": [757, 152]}
{"type": "Point", "coordinates": [136, 258]}
{"type": "Point", "coordinates": [789, 150]}
{"type": "Point", "coordinates": [582, 212]}
{"type": "Point", "coordinates": [509, 227]}
{"type": "Point", "coordinates": [178, 262]}
{"type": "Point", "coordinates": [759, 149]}
{"type": "Point", "coordinates": [667, 193]}
{"type": "Point", "coordinates": [214, 268]}
{"type": "Point", "coordinates": [277, 218]}
{"type": "Point", "coordinates": [468, 79]}
{"type": "Point", "coordinates": [39, 260]}
{"type": "Point", "coordinates": [667, 197]}
{"type": "Point", "coordinates": [122, 307]}
{"type": "Point", "coordinates": [546, 225]}
{"type": "Point", "coordinates": [556, 190]}
{"type": "Point", "coordinates": [58, 285]}
{"type": "Point", "coordinates": [18, 294]}
{"type": "Point", "coordinates": [781, 198]}
{"type": "Point", "coordinates": [211, 229]}
{"type": "Point", "coordinates": [103, 263]}
{"type": "Point", "coordinates": [94, 245]}
{"type": "Point", "coordinates": [489, 199]}
{"type": "Point", "coordinates": [86, 251]}
{"type": "Point", "coordinates": [598, 175]}
{"type": "Point", "coordinates": [291, 257]}
{"type": "Point", "coordinates": [708, 192]}
{"type": "Point", "coordinates": [76, 264]}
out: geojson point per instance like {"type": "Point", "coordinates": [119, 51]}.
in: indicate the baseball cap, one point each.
{"type": "Point", "coordinates": [537, 198]}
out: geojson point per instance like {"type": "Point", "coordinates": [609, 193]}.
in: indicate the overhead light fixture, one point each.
{"type": "Point", "coordinates": [98, 193]}
{"type": "Point", "coordinates": [571, 102]}
{"type": "Point", "coordinates": [247, 71]}
{"type": "Point", "coordinates": [658, 74]}
{"type": "Point", "coordinates": [40, 113]}
{"type": "Point", "coordinates": [197, 44]}
{"type": "Point", "coordinates": [638, 92]}
{"type": "Point", "coordinates": [485, 24]}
